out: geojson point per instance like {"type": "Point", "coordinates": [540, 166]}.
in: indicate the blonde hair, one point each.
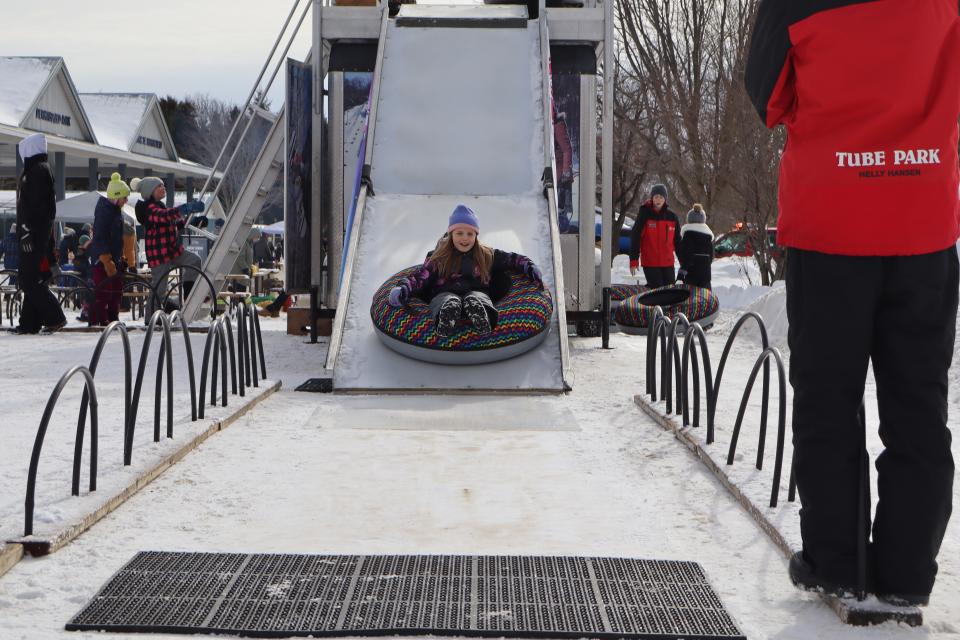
{"type": "Point", "coordinates": [447, 258]}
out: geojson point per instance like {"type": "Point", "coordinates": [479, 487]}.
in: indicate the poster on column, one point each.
{"type": "Point", "coordinates": [297, 216]}
{"type": "Point", "coordinates": [566, 148]}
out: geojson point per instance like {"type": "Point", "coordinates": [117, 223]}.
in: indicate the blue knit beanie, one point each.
{"type": "Point", "coordinates": [463, 216]}
{"type": "Point", "coordinates": [659, 190]}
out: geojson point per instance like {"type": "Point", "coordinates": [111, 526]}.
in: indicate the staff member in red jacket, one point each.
{"type": "Point", "coordinates": [871, 119]}
{"type": "Point", "coordinates": [654, 239]}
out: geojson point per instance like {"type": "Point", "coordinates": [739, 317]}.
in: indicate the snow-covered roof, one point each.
{"type": "Point", "coordinates": [37, 93]}
{"type": "Point", "coordinates": [21, 80]}
{"type": "Point", "coordinates": [116, 116]}
{"type": "Point", "coordinates": [130, 121]}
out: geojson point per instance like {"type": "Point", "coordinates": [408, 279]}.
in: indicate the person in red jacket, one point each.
{"type": "Point", "coordinates": [871, 120]}
{"type": "Point", "coordinates": [655, 239]}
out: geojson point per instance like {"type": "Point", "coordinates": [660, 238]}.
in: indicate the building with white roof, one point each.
{"type": "Point", "coordinates": [89, 135]}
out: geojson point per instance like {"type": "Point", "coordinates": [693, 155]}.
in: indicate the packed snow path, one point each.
{"type": "Point", "coordinates": [582, 474]}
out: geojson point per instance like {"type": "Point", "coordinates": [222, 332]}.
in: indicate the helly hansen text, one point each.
{"type": "Point", "coordinates": [879, 158]}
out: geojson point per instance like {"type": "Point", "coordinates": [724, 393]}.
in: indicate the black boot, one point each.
{"type": "Point", "coordinates": [804, 576]}
{"type": "Point", "coordinates": [447, 317]}
{"type": "Point", "coordinates": [477, 313]}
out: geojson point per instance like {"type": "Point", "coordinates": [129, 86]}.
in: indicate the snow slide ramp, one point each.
{"type": "Point", "coordinates": [459, 106]}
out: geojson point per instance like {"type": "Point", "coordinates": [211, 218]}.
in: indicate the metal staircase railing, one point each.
{"type": "Point", "coordinates": [242, 211]}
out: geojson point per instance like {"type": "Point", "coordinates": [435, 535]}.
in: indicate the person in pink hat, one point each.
{"type": "Point", "coordinates": [455, 279]}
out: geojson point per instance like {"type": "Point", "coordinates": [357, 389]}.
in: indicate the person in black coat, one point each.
{"type": "Point", "coordinates": [696, 249]}
{"type": "Point", "coordinates": [36, 210]}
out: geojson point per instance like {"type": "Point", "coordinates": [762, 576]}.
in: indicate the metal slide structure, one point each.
{"type": "Point", "coordinates": [460, 112]}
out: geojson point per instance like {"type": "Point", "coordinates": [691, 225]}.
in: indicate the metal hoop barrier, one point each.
{"type": "Point", "coordinates": [127, 375]}
{"type": "Point", "coordinates": [185, 329]}
{"type": "Point", "coordinates": [234, 358]}
{"type": "Point", "coordinates": [165, 347]}
{"type": "Point", "coordinates": [41, 434]}
{"type": "Point", "coordinates": [130, 280]}
{"type": "Point", "coordinates": [11, 299]}
{"type": "Point", "coordinates": [651, 345]}
{"type": "Point", "coordinates": [674, 364]}
{"type": "Point", "coordinates": [179, 285]}
{"type": "Point", "coordinates": [774, 353]}
{"type": "Point", "coordinates": [243, 352]}
{"type": "Point", "coordinates": [217, 338]}
{"type": "Point", "coordinates": [765, 398]}
{"type": "Point", "coordinates": [69, 294]}
{"type": "Point", "coordinates": [256, 324]}
{"type": "Point", "coordinates": [252, 329]}
{"type": "Point", "coordinates": [688, 353]}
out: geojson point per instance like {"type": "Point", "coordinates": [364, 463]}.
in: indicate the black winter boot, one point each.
{"type": "Point", "coordinates": [804, 576]}
{"type": "Point", "coordinates": [477, 313]}
{"type": "Point", "coordinates": [447, 317]}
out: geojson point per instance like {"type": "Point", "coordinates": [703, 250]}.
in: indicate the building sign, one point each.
{"type": "Point", "coordinates": [55, 118]}
{"type": "Point", "coordinates": [149, 142]}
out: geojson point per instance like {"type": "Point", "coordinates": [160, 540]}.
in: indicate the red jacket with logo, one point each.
{"type": "Point", "coordinates": [869, 92]}
{"type": "Point", "coordinates": [655, 237]}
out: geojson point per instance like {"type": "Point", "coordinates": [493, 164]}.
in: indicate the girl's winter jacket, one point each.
{"type": "Point", "coordinates": [871, 143]}
{"type": "Point", "coordinates": [696, 254]}
{"type": "Point", "coordinates": [163, 232]}
{"type": "Point", "coordinates": [655, 237]}
{"type": "Point", "coordinates": [426, 283]}
{"type": "Point", "coordinates": [107, 230]}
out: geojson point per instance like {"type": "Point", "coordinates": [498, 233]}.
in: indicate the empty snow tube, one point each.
{"type": "Point", "coordinates": [620, 292]}
{"type": "Point", "coordinates": [524, 321]}
{"type": "Point", "coordinates": [698, 305]}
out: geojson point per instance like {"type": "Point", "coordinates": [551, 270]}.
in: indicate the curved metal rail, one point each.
{"type": "Point", "coordinates": [774, 353]}
{"type": "Point", "coordinates": [81, 421]}
{"type": "Point", "coordinates": [42, 432]}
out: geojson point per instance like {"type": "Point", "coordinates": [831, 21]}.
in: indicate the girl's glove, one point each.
{"type": "Point", "coordinates": [399, 296]}
{"type": "Point", "coordinates": [191, 207]}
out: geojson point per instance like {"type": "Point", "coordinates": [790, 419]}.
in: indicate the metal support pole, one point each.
{"type": "Point", "coordinates": [605, 319]}
{"type": "Point", "coordinates": [93, 174]}
{"type": "Point", "coordinates": [16, 152]}
{"type": "Point", "coordinates": [122, 170]}
{"type": "Point", "coordinates": [60, 174]}
{"type": "Point", "coordinates": [190, 189]}
{"type": "Point", "coordinates": [170, 182]}
{"type": "Point", "coordinates": [314, 312]}
{"type": "Point", "coordinates": [606, 230]}
{"type": "Point", "coordinates": [147, 171]}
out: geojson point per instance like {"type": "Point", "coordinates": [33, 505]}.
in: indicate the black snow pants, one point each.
{"type": "Point", "coordinates": [40, 307]}
{"type": "Point", "coordinates": [900, 313]}
{"type": "Point", "coordinates": [659, 276]}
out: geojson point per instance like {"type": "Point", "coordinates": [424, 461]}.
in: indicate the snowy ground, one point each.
{"type": "Point", "coordinates": [583, 474]}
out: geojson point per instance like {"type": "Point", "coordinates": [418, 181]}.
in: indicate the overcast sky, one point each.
{"type": "Point", "coordinates": [170, 47]}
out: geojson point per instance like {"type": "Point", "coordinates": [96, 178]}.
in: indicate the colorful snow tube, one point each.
{"type": "Point", "coordinates": [620, 292]}
{"type": "Point", "coordinates": [698, 305]}
{"type": "Point", "coordinates": [524, 321]}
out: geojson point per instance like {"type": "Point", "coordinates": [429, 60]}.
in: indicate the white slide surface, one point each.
{"type": "Point", "coordinates": [459, 120]}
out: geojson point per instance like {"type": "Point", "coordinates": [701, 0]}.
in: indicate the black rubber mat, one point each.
{"type": "Point", "coordinates": [518, 596]}
{"type": "Point", "coordinates": [317, 385]}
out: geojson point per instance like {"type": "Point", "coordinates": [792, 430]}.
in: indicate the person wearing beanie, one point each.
{"type": "Point", "coordinates": [455, 280]}
{"type": "Point", "coordinates": [164, 247]}
{"type": "Point", "coordinates": [696, 249]}
{"type": "Point", "coordinates": [36, 210]}
{"type": "Point", "coordinates": [654, 240]}
{"type": "Point", "coordinates": [107, 249]}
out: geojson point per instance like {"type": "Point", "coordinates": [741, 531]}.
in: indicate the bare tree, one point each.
{"type": "Point", "coordinates": [215, 119]}
{"type": "Point", "coordinates": [692, 124]}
